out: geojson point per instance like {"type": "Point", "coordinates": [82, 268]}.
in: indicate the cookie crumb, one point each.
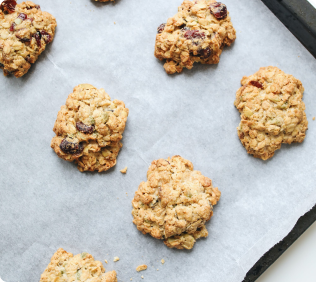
{"type": "Point", "coordinates": [116, 259]}
{"type": "Point", "coordinates": [114, 22]}
{"type": "Point", "coordinates": [106, 261]}
{"type": "Point", "coordinates": [162, 261]}
{"type": "Point", "coordinates": [141, 267]}
{"type": "Point", "coordinates": [131, 279]}
{"type": "Point", "coordinates": [157, 269]}
{"type": "Point", "coordinates": [124, 170]}
{"type": "Point", "coordinates": [313, 118]}
{"type": "Point", "coordinates": [142, 277]}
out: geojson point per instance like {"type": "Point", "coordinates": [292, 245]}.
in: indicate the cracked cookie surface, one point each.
{"type": "Point", "coordinates": [197, 33]}
{"type": "Point", "coordinates": [272, 111]}
{"type": "Point", "coordinates": [64, 267]}
{"type": "Point", "coordinates": [25, 31]}
{"type": "Point", "coordinates": [175, 203]}
{"type": "Point", "coordinates": [89, 129]}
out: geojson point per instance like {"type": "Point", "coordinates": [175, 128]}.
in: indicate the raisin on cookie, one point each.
{"type": "Point", "coordinates": [271, 110]}
{"type": "Point", "coordinates": [197, 33]}
{"type": "Point", "coordinates": [89, 129]}
{"type": "Point", "coordinates": [175, 203]}
{"type": "Point", "coordinates": [25, 31]}
{"type": "Point", "coordinates": [64, 267]}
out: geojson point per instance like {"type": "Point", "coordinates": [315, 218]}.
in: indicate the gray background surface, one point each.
{"type": "Point", "coordinates": [46, 203]}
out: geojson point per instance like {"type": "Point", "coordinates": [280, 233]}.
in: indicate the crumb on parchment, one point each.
{"type": "Point", "coordinates": [162, 261]}
{"type": "Point", "coordinates": [141, 267]}
{"type": "Point", "coordinates": [106, 261]}
{"type": "Point", "coordinates": [313, 118]}
{"type": "Point", "coordinates": [116, 259]}
{"type": "Point", "coordinates": [142, 277]}
{"type": "Point", "coordinates": [124, 170]}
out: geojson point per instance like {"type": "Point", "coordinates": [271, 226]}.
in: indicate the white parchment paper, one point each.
{"type": "Point", "coordinates": [46, 203]}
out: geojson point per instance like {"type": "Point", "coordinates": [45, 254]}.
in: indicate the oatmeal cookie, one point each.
{"type": "Point", "coordinates": [64, 267]}
{"type": "Point", "coordinates": [197, 33]}
{"type": "Point", "coordinates": [271, 110]}
{"type": "Point", "coordinates": [25, 31]}
{"type": "Point", "coordinates": [89, 129]}
{"type": "Point", "coordinates": [175, 203]}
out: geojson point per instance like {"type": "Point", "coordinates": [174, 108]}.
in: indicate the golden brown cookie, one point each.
{"type": "Point", "coordinates": [271, 110]}
{"type": "Point", "coordinates": [89, 129]}
{"type": "Point", "coordinates": [197, 33]}
{"type": "Point", "coordinates": [64, 267]}
{"type": "Point", "coordinates": [175, 203]}
{"type": "Point", "coordinates": [25, 31]}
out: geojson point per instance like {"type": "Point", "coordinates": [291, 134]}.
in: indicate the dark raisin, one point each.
{"type": "Point", "coordinates": [22, 16]}
{"type": "Point", "coordinates": [46, 36]}
{"type": "Point", "coordinates": [23, 39]}
{"type": "Point", "coordinates": [161, 28]}
{"type": "Point", "coordinates": [194, 34]}
{"type": "Point", "coordinates": [219, 10]}
{"type": "Point", "coordinates": [8, 6]}
{"type": "Point", "coordinates": [1, 65]}
{"type": "Point", "coordinates": [71, 148]}
{"type": "Point", "coordinates": [38, 37]}
{"type": "Point", "coordinates": [256, 84]}
{"type": "Point", "coordinates": [27, 58]}
{"type": "Point", "coordinates": [205, 53]}
{"type": "Point", "coordinates": [88, 129]}
{"type": "Point", "coordinates": [12, 27]}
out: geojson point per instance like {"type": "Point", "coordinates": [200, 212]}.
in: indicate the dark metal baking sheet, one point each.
{"type": "Point", "coordinates": [299, 16]}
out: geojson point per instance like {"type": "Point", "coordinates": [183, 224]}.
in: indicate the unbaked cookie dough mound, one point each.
{"type": "Point", "coordinates": [272, 111]}
{"type": "Point", "coordinates": [89, 129]}
{"type": "Point", "coordinates": [197, 33]}
{"type": "Point", "coordinates": [64, 267]}
{"type": "Point", "coordinates": [25, 31]}
{"type": "Point", "coordinates": [175, 203]}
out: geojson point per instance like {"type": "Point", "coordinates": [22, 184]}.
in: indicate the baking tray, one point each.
{"type": "Point", "coordinates": [299, 16]}
{"type": "Point", "coordinates": [46, 203]}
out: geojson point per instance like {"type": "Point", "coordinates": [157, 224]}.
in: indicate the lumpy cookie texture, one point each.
{"type": "Point", "coordinates": [25, 31]}
{"type": "Point", "coordinates": [197, 33]}
{"type": "Point", "coordinates": [64, 267]}
{"type": "Point", "coordinates": [89, 129]}
{"type": "Point", "coordinates": [174, 203]}
{"type": "Point", "coordinates": [271, 110]}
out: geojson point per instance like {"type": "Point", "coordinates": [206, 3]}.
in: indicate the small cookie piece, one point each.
{"type": "Point", "coordinates": [197, 33]}
{"type": "Point", "coordinates": [64, 267]}
{"type": "Point", "coordinates": [271, 110]}
{"type": "Point", "coordinates": [141, 267]}
{"type": "Point", "coordinates": [24, 33]}
{"type": "Point", "coordinates": [175, 203]}
{"type": "Point", "coordinates": [124, 170]}
{"type": "Point", "coordinates": [89, 129]}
